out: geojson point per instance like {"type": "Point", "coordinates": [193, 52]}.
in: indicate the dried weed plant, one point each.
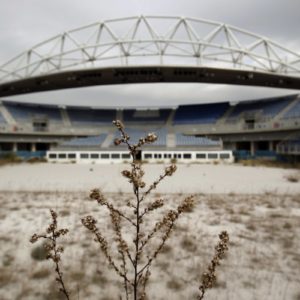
{"type": "Point", "coordinates": [136, 254]}
{"type": "Point", "coordinates": [53, 250]}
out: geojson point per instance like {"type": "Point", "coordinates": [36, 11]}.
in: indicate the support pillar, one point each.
{"type": "Point", "coordinates": [15, 147]}
{"type": "Point", "coordinates": [271, 146]}
{"type": "Point", "coordinates": [252, 148]}
{"type": "Point", "coordinates": [33, 147]}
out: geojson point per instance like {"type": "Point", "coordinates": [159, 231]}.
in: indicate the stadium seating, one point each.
{"type": "Point", "coordinates": [25, 112]}
{"type": "Point", "coordinates": [200, 114]}
{"type": "Point", "coordinates": [84, 115]}
{"type": "Point", "coordinates": [85, 142]}
{"type": "Point", "coordinates": [146, 116]}
{"type": "Point", "coordinates": [294, 112]}
{"type": "Point", "coordinates": [136, 134]}
{"type": "Point", "coordinates": [268, 108]}
{"type": "Point", "coordinates": [185, 140]}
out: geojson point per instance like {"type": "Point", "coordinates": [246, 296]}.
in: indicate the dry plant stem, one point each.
{"type": "Point", "coordinates": [135, 291]}
{"type": "Point", "coordinates": [209, 278]}
{"type": "Point", "coordinates": [123, 249]}
{"type": "Point", "coordinates": [96, 195]}
{"type": "Point", "coordinates": [90, 223]}
{"type": "Point", "coordinates": [59, 279]}
{"type": "Point", "coordinates": [140, 274]}
{"type": "Point", "coordinates": [153, 186]}
{"type": "Point", "coordinates": [135, 177]}
{"type": "Point", "coordinates": [53, 251]}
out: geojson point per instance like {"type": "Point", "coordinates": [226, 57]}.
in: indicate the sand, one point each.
{"type": "Point", "coordinates": [196, 178]}
{"type": "Point", "coordinates": [258, 207]}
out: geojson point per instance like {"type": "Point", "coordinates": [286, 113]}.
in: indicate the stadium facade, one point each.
{"type": "Point", "coordinates": [268, 128]}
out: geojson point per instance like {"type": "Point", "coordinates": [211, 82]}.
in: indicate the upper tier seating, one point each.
{"type": "Point", "coordinates": [87, 141]}
{"type": "Point", "coordinates": [294, 112]}
{"type": "Point", "coordinates": [185, 140]}
{"type": "Point", "coordinates": [25, 111]}
{"type": "Point", "coordinates": [146, 116]}
{"type": "Point", "coordinates": [200, 113]}
{"type": "Point", "coordinates": [80, 115]}
{"type": "Point", "coordinates": [136, 134]}
{"type": "Point", "coordinates": [269, 108]}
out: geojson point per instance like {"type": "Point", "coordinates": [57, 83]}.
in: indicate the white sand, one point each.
{"type": "Point", "coordinates": [188, 178]}
{"type": "Point", "coordinates": [263, 260]}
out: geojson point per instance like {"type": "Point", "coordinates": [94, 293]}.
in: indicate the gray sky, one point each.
{"type": "Point", "coordinates": [26, 23]}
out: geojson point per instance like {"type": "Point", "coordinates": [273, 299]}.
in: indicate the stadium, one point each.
{"type": "Point", "coordinates": [258, 128]}
{"type": "Point", "coordinates": [266, 128]}
{"type": "Point", "coordinates": [116, 210]}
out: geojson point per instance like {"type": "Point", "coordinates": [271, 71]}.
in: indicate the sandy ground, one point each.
{"type": "Point", "coordinates": [259, 208]}
{"type": "Point", "coordinates": [188, 179]}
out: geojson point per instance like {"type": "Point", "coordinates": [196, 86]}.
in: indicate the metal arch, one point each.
{"type": "Point", "coordinates": [152, 40]}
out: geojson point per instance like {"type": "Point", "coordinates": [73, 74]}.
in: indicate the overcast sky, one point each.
{"type": "Point", "coordinates": [26, 23]}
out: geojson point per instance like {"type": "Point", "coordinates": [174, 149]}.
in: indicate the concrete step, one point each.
{"type": "Point", "coordinates": [286, 109]}
{"type": "Point", "coordinates": [7, 115]}
{"type": "Point", "coordinates": [108, 140]}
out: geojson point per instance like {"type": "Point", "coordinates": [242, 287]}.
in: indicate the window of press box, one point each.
{"type": "Point", "coordinates": [62, 155]}
{"type": "Point", "coordinates": [105, 155]}
{"type": "Point", "coordinates": [187, 155]}
{"type": "Point", "coordinates": [52, 155]}
{"type": "Point", "coordinates": [84, 155]}
{"type": "Point", "coordinates": [71, 155]}
{"type": "Point", "coordinates": [224, 155]}
{"type": "Point", "coordinates": [148, 155]}
{"type": "Point", "coordinates": [125, 155]}
{"type": "Point", "coordinates": [212, 155]}
{"type": "Point", "coordinates": [115, 155]}
{"type": "Point", "coordinates": [200, 155]}
{"type": "Point", "coordinates": [94, 155]}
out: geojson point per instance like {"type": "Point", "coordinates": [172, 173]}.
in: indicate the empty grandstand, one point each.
{"type": "Point", "coordinates": [200, 114]}
{"type": "Point", "coordinates": [86, 115]}
{"type": "Point", "coordinates": [259, 128]}
{"type": "Point", "coordinates": [25, 112]}
{"type": "Point", "coordinates": [142, 116]}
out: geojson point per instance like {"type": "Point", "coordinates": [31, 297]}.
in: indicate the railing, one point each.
{"type": "Point", "coordinates": [23, 154]}
{"type": "Point", "coordinates": [286, 148]}
{"type": "Point", "coordinates": [240, 127]}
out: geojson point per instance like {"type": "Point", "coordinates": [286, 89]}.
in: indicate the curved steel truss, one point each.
{"type": "Point", "coordinates": [152, 40]}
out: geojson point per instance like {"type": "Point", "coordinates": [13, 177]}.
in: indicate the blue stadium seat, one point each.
{"type": "Point", "coordinates": [200, 113]}
{"type": "Point", "coordinates": [25, 111]}
{"type": "Point", "coordinates": [294, 112]}
{"type": "Point", "coordinates": [136, 134]}
{"type": "Point", "coordinates": [81, 115]}
{"type": "Point", "coordinates": [146, 116]}
{"type": "Point", "coordinates": [88, 141]}
{"type": "Point", "coordinates": [268, 108]}
{"type": "Point", "coordinates": [185, 140]}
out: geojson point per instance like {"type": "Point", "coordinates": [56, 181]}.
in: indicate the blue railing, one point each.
{"type": "Point", "coordinates": [23, 154]}
{"type": "Point", "coordinates": [245, 154]}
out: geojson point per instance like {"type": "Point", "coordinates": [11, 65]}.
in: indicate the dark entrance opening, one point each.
{"type": "Point", "coordinates": [42, 146]}
{"type": "Point", "coordinates": [24, 146]}
{"type": "Point", "coordinates": [243, 146]}
{"type": "Point", "coordinates": [6, 146]}
{"type": "Point", "coordinates": [262, 145]}
{"type": "Point", "coordinates": [138, 155]}
{"type": "Point", "coordinates": [250, 123]}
